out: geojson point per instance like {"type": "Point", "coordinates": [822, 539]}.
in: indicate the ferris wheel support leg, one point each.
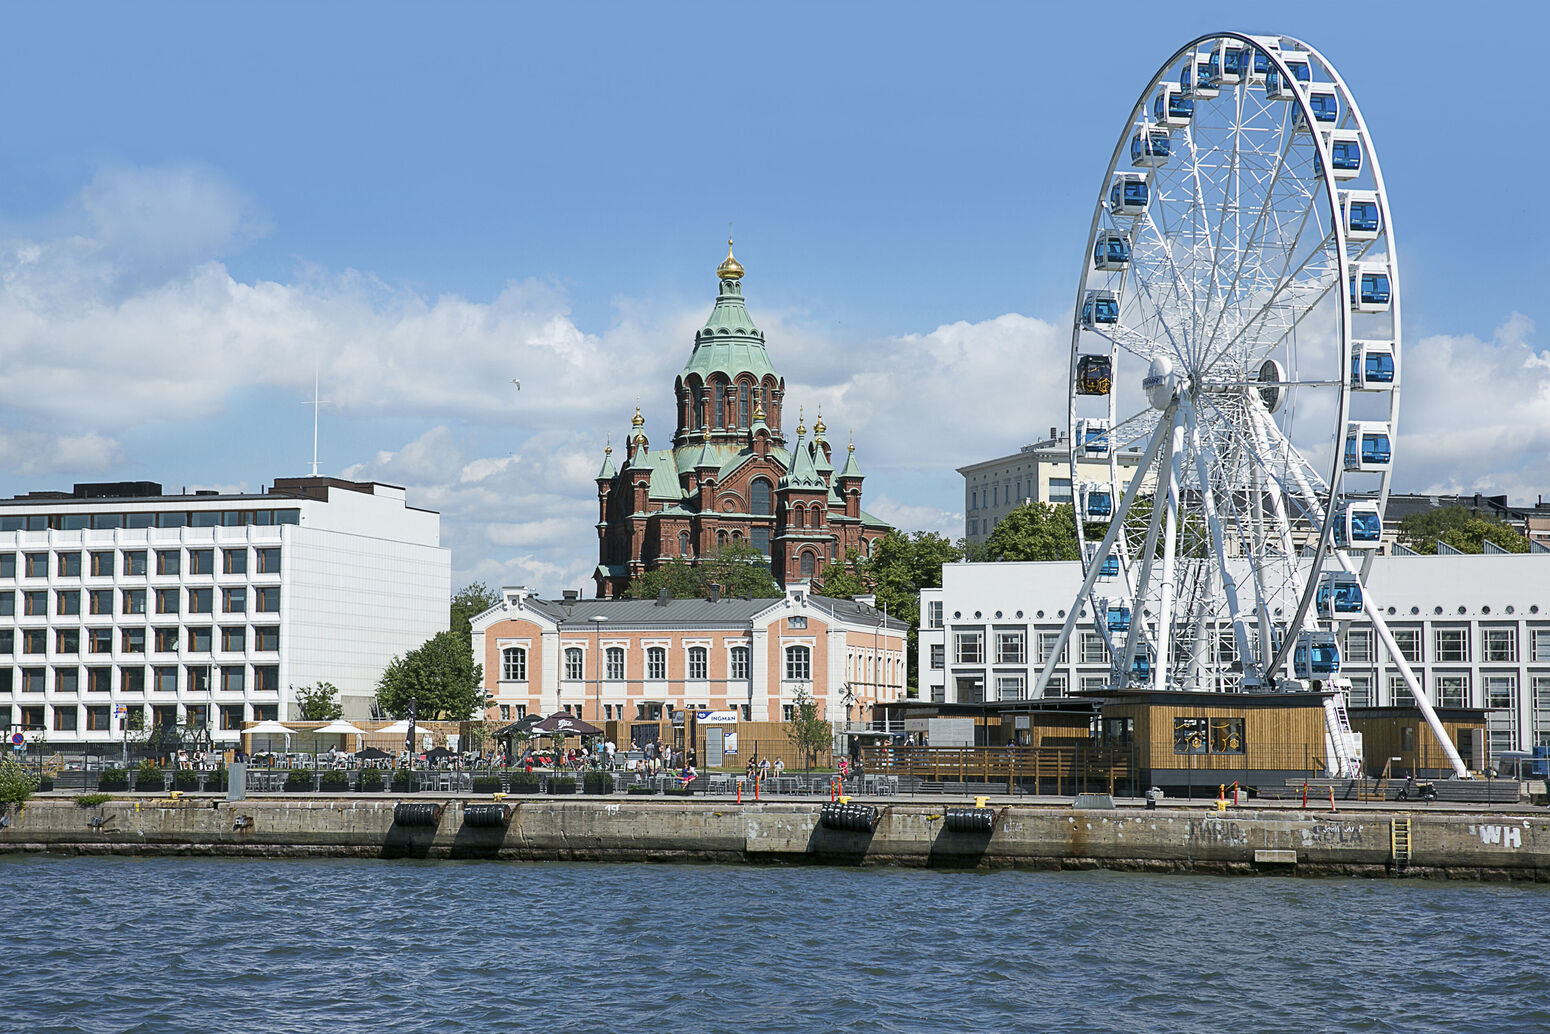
{"type": "Point", "coordinates": [1170, 554]}
{"type": "Point", "coordinates": [1099, 555]}
{"type": "Point", "coordinates": [1213, 522]}
{"type": "Point", "coordinates": [1137, 635]}
{"type": "Point", "coordinates": [1374, 612]}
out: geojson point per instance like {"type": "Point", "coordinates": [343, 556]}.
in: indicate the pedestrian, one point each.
{"type": "Point", "coordinates": [753, 768]}
{"type": "Point", "coordinates": [778, 768]}
{"type": "Point", "coordinates": [764, 767]}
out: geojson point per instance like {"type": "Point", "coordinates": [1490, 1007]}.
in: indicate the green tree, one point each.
{"type": "Point", "coordinates": [735, 570]}
{"type": "Point", "coordinates": [1035, 531]}
{"type": "Point", "coordinates": [319, 703]}
{"type": "Point", "coordinates": [440, 675]}
{"type": "Point", "coordinates": [1460, 528]}
{"type": "Point", "coordinates": [847, 579]}
{"type": "Point", "coordinates": [807, 730]}
{"type": "Point", "coordinates": [472, 599]}
{"type": "Point", "coordinates": [16, 783]}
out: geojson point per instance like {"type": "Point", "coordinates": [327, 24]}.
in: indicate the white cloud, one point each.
{"type": "Point", "coordinates": [133, 317]}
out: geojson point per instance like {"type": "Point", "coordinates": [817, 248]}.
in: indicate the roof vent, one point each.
{"type": "Point", "coordinates": [663, 597]}
{"type": "Point", "coordinates": [572, 595]}
{"type": "Point", "coordinates": [715, 594]}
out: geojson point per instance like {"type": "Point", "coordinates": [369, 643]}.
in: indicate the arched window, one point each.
{"type": "Point", "coordinates": [798, 516]}
{"type": "Point", "coordinates": [683, 543]}
{"type": "Point", "coordinates": [575, 669]}
{"type": "Point", "coordinates": [696, 400]}
{"type": "Point", "coordinates": [721, 538]}
{"type": "Point", "coordinates": [739, 665]}
{"type": "Point", "coordinates": [808, 564]}
{"type": "Point", "coordinates": [513, 664]}
{"type": "Point", "coordinates": [615, 657]}
{"type": "Point", "coordinates": [698, 663]}
{"type": "Point", "coordinates": [737, 536]}
{"type": "Point", "coordinates": [799, 664]}
{"type": "Point", "coordinates": [817, 516]}
{"type": "Point", "coordinates": [656, 662]}
{"type": "Point", "coordinates": [866, 547]}
{"type": "Point", "coordinates": [760, 491]}
{"type": "Point", "coordinates": [721, 402]}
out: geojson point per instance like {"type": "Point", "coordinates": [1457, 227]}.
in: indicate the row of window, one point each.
{"type": "Point", "coordinates": [132, 679]}
{"type": "Point", "coordinates": [730, 405]}
{"type": "Point", "coordinates": [799, 664]}
{"type": "Point", "coordinates": [161, 519]}
{"type": "Point", "coordinates": [234, 639]}
{"type": "Point", "coordinates": [105, 563]}
{"type": "Point", "coordinates": [68, 602]}
{"type": "Point", "coordinates": [1454, 689]}
{"type": "Point", "coordinates": [99, 717]}
{"type": "Point", "coordinates": [1450, 645]}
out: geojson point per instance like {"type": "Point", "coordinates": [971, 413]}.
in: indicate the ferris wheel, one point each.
{"type": "Point", "coordinates": [1235, 374]}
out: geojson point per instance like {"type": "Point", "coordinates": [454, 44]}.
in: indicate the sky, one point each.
{"type": "Point", "coordinates": [201, 205]}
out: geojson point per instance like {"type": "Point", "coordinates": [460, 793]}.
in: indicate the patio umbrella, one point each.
{"type": "Point", "coordinates": [372, 754]}
{"type": "Point", "coordinates": [340, 727]}
{"type": "Point", "coordinates": [567, 724]}
{"type": "Point", "coordinates": [521, 725]}
{"type": "Point", "coordinates": [400, 729]}
{"type": "Point", "coordinates": [438, 754]}
{"type": "Point", "coordinates": [268, 729]}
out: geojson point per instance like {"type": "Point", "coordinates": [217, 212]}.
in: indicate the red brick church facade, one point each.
{"type": "Point", "coordinates": [730, 474]}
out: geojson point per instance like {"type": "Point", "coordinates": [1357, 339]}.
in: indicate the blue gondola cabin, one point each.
{"type": "Point", "coordinates": [1360, 526]}
{"type": "Point", "coordinates": [1111, 251]}
{"type": "Point", "coordinates": [1372, 366]}
{"type": "Point", "coordinates": [1150, 147]}
{"type": "Point", "coordinates": [1129, 194]}
{"type": "Point", "coordinates": [1316, 656]}
{"type": "Point", "coordinates": [1369, 287]}
{"type": "Point", "coordinates": [1367, 447]}
{"type": "Point", "coordinates": [1100, 309]}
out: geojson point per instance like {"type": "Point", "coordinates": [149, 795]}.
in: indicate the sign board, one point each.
{"type": "Point", "coordinates": [18, 739]}
{"type": "Point", "coordinates": [714, 747]}
{"type": "Point", "coordinates": [715, 717]}
{"type": "Point", "coordinates": [1021, 721]}
{"type": "Point", "coordinates": [950, 732]}
{"type": "Point", "coordinates": [729, 742]}
{"type": "Point", "coordinates": [915, 724]}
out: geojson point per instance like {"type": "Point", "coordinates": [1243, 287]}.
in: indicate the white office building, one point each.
{"type": "Point", "coordinates": [207, 609]}
{"type": "Point", "coordinates": [1474, 629]}
{"type": "Point", "coordinates": [1036, 473]}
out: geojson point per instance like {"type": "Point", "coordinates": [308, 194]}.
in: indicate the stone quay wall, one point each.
{"type": "Point", "coordinates": [1513, 845]}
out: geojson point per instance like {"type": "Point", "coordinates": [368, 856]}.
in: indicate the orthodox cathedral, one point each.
{"type": "Point", "coordinates": [729, 475]}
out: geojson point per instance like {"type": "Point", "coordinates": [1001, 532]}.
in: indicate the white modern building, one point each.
{"type": "Point", "coordinates": [207, 608]}
{"type": "Point", "coordinates": [1039, 472]}
{"type": "Point", "coordinates": [1474, 629]}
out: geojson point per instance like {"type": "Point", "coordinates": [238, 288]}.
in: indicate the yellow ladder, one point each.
{"type": "Point", "coordinates": [1399, 843]}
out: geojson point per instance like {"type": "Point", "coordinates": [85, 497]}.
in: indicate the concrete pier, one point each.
{"type": "Point", "coordinates": [1501, 845]}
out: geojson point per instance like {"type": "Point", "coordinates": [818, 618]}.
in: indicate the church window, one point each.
{"type": "Point", "coordinates": [696, 401]}
{"type": "Point", "coordinates": [683, 543]}
{"type": "Point", "coordinates": [761, 540]}
{"type": "Point", "coordinates": [721, 538]}
{"type": "Point", "coordinates": [798, 516]}
{"type": "Point", "coordinates": [737, 536]}
{"type": "Point", "coordinates": [817, 516]}
{"type": "Point", "coordinates": [808, 563]}
{"type": "Point", "coordinates": [761, 498]}
{"type": "Point", "coordinates": [721, 401]}
{"type": "Point", "coordinates": [743, 392]}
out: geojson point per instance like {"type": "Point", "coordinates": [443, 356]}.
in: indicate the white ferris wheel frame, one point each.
{"type": "Point", "coordinates": [1178, 427]}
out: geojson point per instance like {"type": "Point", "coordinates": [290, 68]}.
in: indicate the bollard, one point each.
{"type": "Point", "coordinates": [756, 782]}
{"type": "Point", "coordinates": [1305, 795]}
{"type": "Point", "coordinates": [739, 791]}
{"type": "Point", "coordinates": [981, 802]}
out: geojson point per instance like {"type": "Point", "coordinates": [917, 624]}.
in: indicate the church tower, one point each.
{"type": "Point", "coordinates": [729, 479]}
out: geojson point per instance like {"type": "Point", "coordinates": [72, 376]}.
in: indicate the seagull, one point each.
{"type": "Point", "coordinates": [517, 383]}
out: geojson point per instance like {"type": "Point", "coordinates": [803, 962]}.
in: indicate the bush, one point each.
{"type": "Point", "coordinates": [113, 779]}
{"type": "Point", "coordinates": [403, 781]}
{"type": "Point", "coordinates": [216, 781]}
{"type": "Point", "coordinates": [91, 800]}
{"type": "Point", "coordinates": [185, 779]}
{"type": "Point", "coordinates": [16, 783]}
{"type": "Point", "coordinates": [487, 784]}
{"type": "Point", "coordinates": [524, 782]}
{"type": "Point", "coordinates": [598, 782]}
{"type": "Point", "coordinates": [335, 781]}
{"type": "Point", "coordinates": [149, 778]}
{"type": "Point", "coordinates": [370, 781]}
{"type": "Point", "coordinates": [679, 791]}
{"type": "Point", "coordinates": [637, 790]}
{"type": "Point", "coordinates": [562, 784]}
{"type": "Point", "coordinates": [298, 782]}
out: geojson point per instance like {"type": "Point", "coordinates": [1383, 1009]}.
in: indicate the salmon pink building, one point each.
{"type": "Point", "coordinates": [628, 660]}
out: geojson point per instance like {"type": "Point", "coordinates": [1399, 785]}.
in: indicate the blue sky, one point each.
{"type": "Point", "coordinates": [199, 201]}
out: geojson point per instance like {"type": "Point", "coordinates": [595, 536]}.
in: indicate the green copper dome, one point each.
{"type": "Point", "coordinates": [729, 343]}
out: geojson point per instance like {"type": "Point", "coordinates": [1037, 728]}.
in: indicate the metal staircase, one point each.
{"type": "Point", "coordinates": [1344, 763]}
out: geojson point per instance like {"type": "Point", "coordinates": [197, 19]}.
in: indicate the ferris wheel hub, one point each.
{"type": "Point", "coordinates": [1163, 383]}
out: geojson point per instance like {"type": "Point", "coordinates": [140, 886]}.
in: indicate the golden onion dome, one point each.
{"type": "Point", "coordinates": [637, 420]}
{"type": "Point", "coordinates": [730, 268]}
{"type": "Point", "coordinates": [819, 428]}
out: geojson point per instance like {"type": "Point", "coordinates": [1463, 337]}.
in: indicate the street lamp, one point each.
{"type": "Point", "coordinates": [597, 666]}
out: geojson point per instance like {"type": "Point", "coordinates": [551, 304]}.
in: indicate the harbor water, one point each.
{"type": "Point", "coordinates": [185, 944]}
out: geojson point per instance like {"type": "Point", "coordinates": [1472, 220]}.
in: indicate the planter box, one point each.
{"type": "Point", "coordinates": [568, 786]}
{"type": "Point", "coordinates": [640, 791]}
